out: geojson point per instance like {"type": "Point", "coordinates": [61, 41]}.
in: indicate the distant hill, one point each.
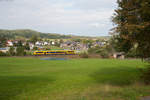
{"type": "Point", "coordinates": [27, 33]}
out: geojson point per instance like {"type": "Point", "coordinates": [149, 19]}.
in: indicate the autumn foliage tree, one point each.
{"type": "Point", "coordinates": [132, 20]}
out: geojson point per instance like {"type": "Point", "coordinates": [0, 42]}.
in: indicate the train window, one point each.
{"type": "Point", "coordinates": [59, 52]}
{"type": "Point", "coordinates": [39, 52]}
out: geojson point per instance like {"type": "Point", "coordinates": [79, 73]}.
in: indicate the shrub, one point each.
{"type": "Point", "coordinates": [35, 48]}
{"type": "Point", "coordinates": [27, 47]}
{"type": "Point", "coordinates": [146, 75]}
{"type": "Point", "coordinates": [94, 50]}
{"type": "Point", "coordinates": [20, 51]}
{"type": "Point", "coordinates": [2, 53]}
{"type": "Point", "coordinates": [48, 48]}
{"type": "Point", "coordinates": [132, 53]}
{"type": "Point", "coordinates": [104, 54]}
{"type": "Point", "coordinates": [7, 53]}
{"type": "Point", "coordinates": [12, 51]}
{"type": "Point", "coordinates": [28, 53]}
{"type": "Point", "coordinates": [83, 55]}
{"type": "Point", "coordinates": [103, 51]}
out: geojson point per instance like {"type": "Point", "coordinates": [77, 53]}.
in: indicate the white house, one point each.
{"type": "Point", "coordinates": [53, 43]}
{"type": "Point", "coordinates": [38, 43]}
{"type": "Point", "coordinates": [6, 49]}
{"type": "Point", "coordinates": [9, 43]}
{"type": "Point", "coordinates": [31, 46]}
{"type": "Point", "coordinates": [45, 43]}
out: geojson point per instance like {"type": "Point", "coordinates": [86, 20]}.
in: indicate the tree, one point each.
{"type": "Point", "coordinates": [3, 40]}
{"type": "Point", "coordinates": [77, 40]}
{"type": "Point", "coordinates": [57, 43]}
{"type": "Point", "coordinates": [34, 39]}
{"type": "Point", "coordinates": [19, 44]}
{"type": "Point", "coordinates": [20, 51]}
{"type": "Point", "coordinates": [12, 51]}
{"type": "Point", "coordinates": [27, 47]}
{"type": "Point", "coordinates": [61, 41]}
{"type": "Point", "coordinates": [119, 44]}
{"type": "Point", "coordinates": [132, 19]}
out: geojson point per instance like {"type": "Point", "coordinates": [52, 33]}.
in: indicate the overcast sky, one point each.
{"type": "Point", "coordinates": [77, 17]}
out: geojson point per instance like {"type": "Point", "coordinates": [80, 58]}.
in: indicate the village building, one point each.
{"type": "Point", "coordinates": [119, 55]}
{"type": "Point", "coordinates": [6, 49]}
{"type": "Point", "coordinates": [31, 45]}
{"type": "Point", "coordinates": [9, 43]}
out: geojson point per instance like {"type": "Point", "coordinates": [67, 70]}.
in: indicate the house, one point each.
{"type": "Point", "coordinates": [38, 43]}
{"type": "Point", "coordinates": [53, 43]}
{"type": "Point", "coordinates": [84, 47]}
{"type": "Point", "coordinates": [9, 43]}
{"type": "Point", "coordinates": [31, 45]}
{"type": "Point", "coordinates": [46, 43]}
{"type": "Point", "coordinates": [24, 43]}
{"type": "Point", "coordinates": [65, 44]}
{"type": "Point", "coordinates": [15, 41]}
{"type": "Point", "coordinates": [6, 49]}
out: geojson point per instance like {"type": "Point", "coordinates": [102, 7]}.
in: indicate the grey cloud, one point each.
{"type": "Point", "coordinates": [6, 0]}
{"type": "Point", "coordinates": [59, 16]}
{"type": "Point", "coordinates": [95, 4]}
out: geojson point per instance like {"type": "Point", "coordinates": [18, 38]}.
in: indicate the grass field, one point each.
{"type": "Point", "coordinates": [53, 47]}
{"type": "Point", "coordinates": [76, 79]}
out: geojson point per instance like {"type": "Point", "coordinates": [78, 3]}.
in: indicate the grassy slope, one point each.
{"type": "Point", "coordinates": [53, 47]}
{"type": "Point", "coordinates": [83, 79]}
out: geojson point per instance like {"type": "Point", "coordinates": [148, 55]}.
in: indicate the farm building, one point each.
{"type": "Point", "coordinates": [6, 49]}
{"type": "Point", "coordinates": [119, 55]}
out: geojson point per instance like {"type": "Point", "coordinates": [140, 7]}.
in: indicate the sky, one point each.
{"type": "Point", "coordinates": [75, 17]}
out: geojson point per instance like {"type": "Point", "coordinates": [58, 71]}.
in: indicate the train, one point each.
{"type": "Point", "coordinates": [55, 52]}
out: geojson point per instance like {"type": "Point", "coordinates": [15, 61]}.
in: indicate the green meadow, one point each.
{"type": "Point", "coordinates": [74, 79]}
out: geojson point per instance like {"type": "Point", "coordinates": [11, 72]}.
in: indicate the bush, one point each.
{"type": "Point", "coordinates": [95, 50]}
{"type": "Point", "coordinates": [84, 55]}
{"type": "Point", "coordinates": [12, 51]}
{"type": "Point", "coordinates": [27, 47]}
{"type": "Point", "coordinates": [146, 75]}
{"type": "Point", "coordinates": [132, 53]}
{"type": "Point", "coordinates": [7, 53]}
{"type": "Point", "coordinates": [104, 54]}
{"type": "Point", "coordinates": [2, 53]}
{"type": "Point", "coordinates": [35, 48]}
{"type": "Point", "coordinates": [28, 53]}
{"type": "Point", "coordinates": [20, 51]}
{"type": "Point", "coordinates": [48, 48]}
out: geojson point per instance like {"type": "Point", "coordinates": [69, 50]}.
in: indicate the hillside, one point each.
{"type": "Point", "coordinates": [27, 33]}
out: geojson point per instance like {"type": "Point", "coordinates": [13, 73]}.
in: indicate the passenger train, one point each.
{"type": "Point", "coordinates": [55, 52]}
